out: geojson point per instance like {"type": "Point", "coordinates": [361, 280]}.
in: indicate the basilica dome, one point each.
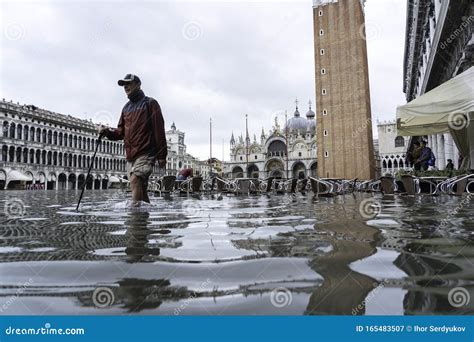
{"type": "Point", "coordinates": [297, 123]}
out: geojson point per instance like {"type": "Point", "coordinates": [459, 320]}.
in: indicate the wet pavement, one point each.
{"type": "Point", "coordinates": [225, 255]}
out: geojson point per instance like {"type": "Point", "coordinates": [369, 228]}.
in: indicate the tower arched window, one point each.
{"type": "Point", "coordinates": [399, 141]}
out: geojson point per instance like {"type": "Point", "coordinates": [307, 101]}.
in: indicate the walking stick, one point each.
{"type": "Point", "coordinates": [89, 171]}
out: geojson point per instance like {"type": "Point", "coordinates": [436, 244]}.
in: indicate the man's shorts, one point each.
{"type": "Point", "coordinates": [141, 167]}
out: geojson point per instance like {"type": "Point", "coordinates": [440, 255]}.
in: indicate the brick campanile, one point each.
{"type": "Point", "coordinates": [343, 116]}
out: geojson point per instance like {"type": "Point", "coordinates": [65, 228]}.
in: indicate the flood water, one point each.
{"type": "Point", "coordinates": [227, 255]}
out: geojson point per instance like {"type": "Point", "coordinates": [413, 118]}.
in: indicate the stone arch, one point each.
{"type": "Point", "coordinates": [19, 131]}
{"type": "Point", "coordinates": [3, 179]}
{"type": "Point", "coordinates": [41, 177]}
{"type": "Point", "coordinates": [97, 182]}
{"type": "Point", "coordinates": [62, 181]}
{"type": "Point", "coordinates": [253, 171]}
{"type": "Point", "coordinates": [313, 168]}
{"type": "Point", "coordinates": [299, 170]}
{"type": "Point", "coordinates": [25, 155]}
{"type": "Point", "coordinates": [276, 148]}
{"type": "Point", "coordinates": [26, 131]}
{"type": "Point", "coordinates": [12, 130]}
{"type": "Point", "coordinates": [237, 172]}
{"type": "Point", "coordinates": [51, 181]}
{"type": "Point", "coordinates": [275, 168]}
{"type": "Point", "coordinates": [71, 179]}
{"type": "Point", "coordinates": [4, 153]}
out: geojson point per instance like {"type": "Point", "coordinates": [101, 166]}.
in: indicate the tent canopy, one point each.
{"type": "Point", "coordinates": [14, 175]}
{"type": "Point", "coordinates": [440, 109]}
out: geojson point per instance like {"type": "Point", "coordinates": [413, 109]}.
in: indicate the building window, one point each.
{"type": "Point", "coordinates": [323, 71]}
{"type": "Point", "coordinates": [321, 32]}
{"type": "Point", "coordinates": [325, 112]}
{"type": "Point", "coordinates": [320, 13]}
{"type": "Point", "coordinates": [399, 141]}
{"type": "Point", "coordinates": [255, 157]}
{"type": "Point", "coordinates": [240, 158]}
{"type": "Point", "coordinates": [299, 154]}
{"type": "Point", "coordinates": [323, 91]}
{"type": "Point", "coordinates": [325, 132]}
{"type": "Point", "coordinates": [321, 52]}
{"type": "Point", "coordinates": [326, 154]}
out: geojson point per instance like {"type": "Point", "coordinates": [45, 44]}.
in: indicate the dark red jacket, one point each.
{"type": "Point", "coordinates": [142, 128]}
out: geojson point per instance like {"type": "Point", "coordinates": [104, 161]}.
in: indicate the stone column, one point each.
{"type": "Point", "coordinates": [77, 182]}
{"type": "Point", "coordinates": [470, 135]}
{"type": "Point", "coordinates": [449, 147]}
{"type": "Point", "coordinates": [440, 158]}
{"type": "Point", "coordinates": [67, 181]}
{"type": "Point", "coordinates": [434, 147]}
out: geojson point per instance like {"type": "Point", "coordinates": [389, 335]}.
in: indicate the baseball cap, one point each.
{"type": "Point", "coordinates": [129, 78]}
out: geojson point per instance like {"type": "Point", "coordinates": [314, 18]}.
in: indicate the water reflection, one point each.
{"type": "Point", "coordinates": [227, 255]}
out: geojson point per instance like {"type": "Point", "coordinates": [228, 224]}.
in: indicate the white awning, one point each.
{"type": "Point", "coordinates": [440, 109]}
{"type": "Point", "coordinates": [114, 179]}
{"type": "Point", "coordinates": [14, 175]}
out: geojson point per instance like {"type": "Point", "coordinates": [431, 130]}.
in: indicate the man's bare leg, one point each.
{"type": "Point", "coordinates": [139, 189]}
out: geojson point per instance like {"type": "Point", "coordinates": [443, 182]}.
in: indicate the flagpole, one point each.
{"type": "Point", "coordinates": [286, 141]}
{"type": "Point", "coordinates": [210, 147]}
{"type": "Point", "coordinates": [247, 143]}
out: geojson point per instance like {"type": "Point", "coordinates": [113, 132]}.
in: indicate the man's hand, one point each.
{"type": "Point", "coordinates": [161, 163]}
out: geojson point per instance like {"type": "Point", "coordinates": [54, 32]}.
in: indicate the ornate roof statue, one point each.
{"type": "Point", "coordinates": [276, 126]}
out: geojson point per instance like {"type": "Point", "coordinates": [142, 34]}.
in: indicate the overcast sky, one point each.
{"type": "Point", "coordinates": [198, 59]}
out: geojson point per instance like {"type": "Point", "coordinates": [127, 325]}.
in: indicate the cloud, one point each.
{"type": "Point", "coordinates": [198, 59]}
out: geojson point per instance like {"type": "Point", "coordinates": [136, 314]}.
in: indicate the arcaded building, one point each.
{"type": "Point", "coordinates": [52, 151]}
{"type": "Point", "coordinates": [344, 124]}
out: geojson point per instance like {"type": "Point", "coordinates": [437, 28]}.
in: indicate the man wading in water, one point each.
{"type": "Point", "coordinates": [142, 128]}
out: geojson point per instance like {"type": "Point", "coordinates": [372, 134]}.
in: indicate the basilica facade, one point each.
{"type": "Point", "coordinates": [281, 152]}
